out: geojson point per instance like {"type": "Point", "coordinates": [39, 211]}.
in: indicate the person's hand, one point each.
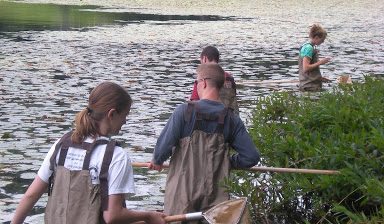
{"type": "Point", "coordinates": [324, 60]}
{"type": "Point", "coordinates": [325, 79]}
{"type": "Point", "coordinates": [153, 166]}
{"type": "Point", "coordinates": [155, 218]}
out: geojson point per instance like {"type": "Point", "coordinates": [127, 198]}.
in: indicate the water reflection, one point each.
{"type": "Point", "coordinates": [47, 73]}
{"type": "Point", "coordinates": [16, 16]}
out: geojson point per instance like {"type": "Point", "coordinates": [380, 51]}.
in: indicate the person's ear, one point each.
{"type": "Point", "coordinates": [203, 60]}
{"type": "Point", "coordinates": [111, 113]}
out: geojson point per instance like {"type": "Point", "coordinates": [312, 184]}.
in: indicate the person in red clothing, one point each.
{"type": "Point", "coordinates": [211, 55]}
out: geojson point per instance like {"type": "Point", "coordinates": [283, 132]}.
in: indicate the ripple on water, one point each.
{"type": "Point", "coordinates": [46, 75]}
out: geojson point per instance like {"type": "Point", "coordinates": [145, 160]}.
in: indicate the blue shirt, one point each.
{"type": "Point", "coordinates": [307, 50]}
{"type": "Point", "coordinates": [234, 132]}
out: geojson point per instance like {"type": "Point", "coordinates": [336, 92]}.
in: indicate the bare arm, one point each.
{"type": "Point", "coordinates": [116, 213]}
{"type": "Point", "coordinates": [31, 196]}
{"type": "Point", "coordinates": [307, 66]}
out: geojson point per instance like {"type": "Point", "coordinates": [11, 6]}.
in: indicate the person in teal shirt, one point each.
{"type": "Point", "coordinates": [309, 64]}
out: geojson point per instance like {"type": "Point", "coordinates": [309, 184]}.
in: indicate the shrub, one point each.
{"type": "Point", "coordinates": [342, 129]}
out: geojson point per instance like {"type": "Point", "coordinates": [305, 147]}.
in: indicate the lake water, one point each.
{"type": "Point", "coordinates": [52, 55]}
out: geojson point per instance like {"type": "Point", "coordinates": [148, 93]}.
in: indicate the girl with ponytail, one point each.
{"type": "Point", "coordinates": [87, 173]}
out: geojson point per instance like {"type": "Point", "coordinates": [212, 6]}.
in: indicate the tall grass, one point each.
{"type": "Point", "coordinates": [341, 130]}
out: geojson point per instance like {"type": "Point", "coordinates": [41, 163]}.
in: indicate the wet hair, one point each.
{"type": "Point", "coordinates": [211, 53]}
{"type": "Point", "coordinates": [105, 96]}
{"type": "Point", "coordinates": [317, 31]}
{"type": "Point", "coordinates": [213, 73]}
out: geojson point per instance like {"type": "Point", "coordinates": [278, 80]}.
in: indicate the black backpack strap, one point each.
{"type": "Point", "coordinates": [104, 174]}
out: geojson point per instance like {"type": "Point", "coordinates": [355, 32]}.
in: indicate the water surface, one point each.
{"type": "Point", "coordinates": [51, 56]}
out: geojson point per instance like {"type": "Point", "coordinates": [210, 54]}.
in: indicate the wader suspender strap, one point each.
{"type": "Point", "coordinates": [90, 147]}
{"type": "Point", "coordinates": [104, 174]}
{"type": "Point", "coordinates": [52, 160]}
{"type": "Point", "coordinates": [57, 148]}
{"type": "Point", "coordinates": [204, 116]}
{"type": "Point", "coordinates": [188, 113]}
{"type": "Point", "coordinates": [230, 79]}
{"type": "Point", "coordinates": [65, 142]}
{"type": "Point", "coordinates": [220, 121]}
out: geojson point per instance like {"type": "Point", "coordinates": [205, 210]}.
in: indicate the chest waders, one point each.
{"type": "Point", "coordinates": [72, 196]}
{"type": "Point", "coordinates": [198, 166]}
{"type": "Point", "coordinates": [310, 81]}
{"type": "Point", "coordinates": [228, 94]}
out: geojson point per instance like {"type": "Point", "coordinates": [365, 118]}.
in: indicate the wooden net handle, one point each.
{"type": "Point", "coordinates": [265, 169]}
